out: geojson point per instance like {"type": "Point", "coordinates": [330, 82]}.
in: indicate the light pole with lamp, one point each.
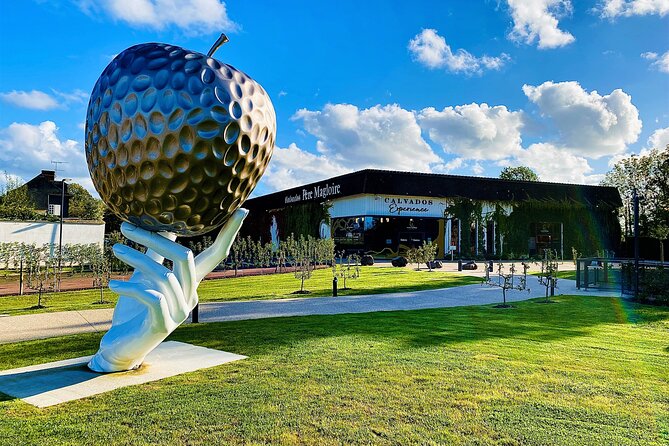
{"type": "Point", "coordinates": [60, 236]}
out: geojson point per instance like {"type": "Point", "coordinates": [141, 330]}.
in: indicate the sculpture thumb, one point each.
{"type": "Point", "coordinates": [206, 261]}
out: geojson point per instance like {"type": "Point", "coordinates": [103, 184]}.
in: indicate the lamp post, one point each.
{"type": "Point", "coordinates": [60, 236]}
{"type": "Point", "coordinates": [635, 200]}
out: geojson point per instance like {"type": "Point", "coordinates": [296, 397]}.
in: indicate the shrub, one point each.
{"type": "Point", "coordinates": [654, 286]}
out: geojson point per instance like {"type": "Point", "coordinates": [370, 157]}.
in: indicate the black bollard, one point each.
{"type": "Point", "coordinates": [334, 287]}
{"type": "Point", "coordinates": [459, 264]}
{"type": "Point", "coordinates": [195, 315]}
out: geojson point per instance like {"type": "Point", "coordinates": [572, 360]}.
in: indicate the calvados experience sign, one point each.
{"type": "Point", "coordinates": [399, 205]}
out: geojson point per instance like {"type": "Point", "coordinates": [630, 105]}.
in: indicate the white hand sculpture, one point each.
{"type": "Point", "coordinates": [155, 300]}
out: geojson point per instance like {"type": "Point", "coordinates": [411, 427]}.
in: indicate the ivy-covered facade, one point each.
{"type": "Point", "coordinates": [383, 213]}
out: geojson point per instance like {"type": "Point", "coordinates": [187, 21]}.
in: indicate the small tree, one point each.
{"type": "Point", "coordinates": [349, 269]}
{"type": "Point", "coordinates": [265, 254]}
{"type": "Point", "coordinates": [508, 281]}
{"type": "Point", "coordinates": [549, 270]}
{"type": "Point", "coordinates": [237, 253]}
{"type": "Point", "coordinates": [413, 256]}
{"type": "Point", "coordinates": [428, 253]}
{"type": "Point", "coordinates": [281, 257]}
{"type": "Point", "coordinates": [101, 271]}
{"type": "Point", "coordinates": [304, 264]}
{"type": "Point", "coordinates": [41, 269]}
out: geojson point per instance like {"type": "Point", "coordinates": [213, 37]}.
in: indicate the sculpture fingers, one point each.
{"type": "Point", "coordinates": [163, 245]}
{"type": "Point", "coordinates": [157, 277]}
{"type": "Point", "coordinates": [127, 229]}
{"type": "Point", "coordinates": [207, 260]}
{"type": "Point", "coordinates": [159, 313]}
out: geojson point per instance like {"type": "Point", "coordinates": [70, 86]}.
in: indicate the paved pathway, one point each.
{"type": "Point", "coordinates": [46, 325]}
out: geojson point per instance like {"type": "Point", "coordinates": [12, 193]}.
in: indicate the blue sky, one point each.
{"type": "Point", "coordinates": [465, 88]}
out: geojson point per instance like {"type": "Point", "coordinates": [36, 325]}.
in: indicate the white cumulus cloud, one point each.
{"type": "Point", "coordinates": [192, 16]}
{"type": "Point", "coordinates": [34, 100]}
{"type": "Point", "coordinates": [659, 139]}
{"type": "Point", "coordinates": [25, 149]}
{"type": "Point", "coordinates": [660, 62]}
{"type": "Point", "coordinates": [384, 137]}
{"type": "Point", "coordinates": [38, 100]}
{"type": "Point", "coordinates": [474, 131]}
{"type": "Point", "coordinates": [293, 166]}
{"type": "Point", "coordinates": [538, 20]}
{"type": "Point", "coordinates": [431, 50]}
{"type": "Point", "coordinates": [588, 124]}
{"type": "Point", "coordinates": [348, 139]}
{"type": "Point", "coordinates": [552, 163]}
{"type": "Point", "coordinates": [626, 8]}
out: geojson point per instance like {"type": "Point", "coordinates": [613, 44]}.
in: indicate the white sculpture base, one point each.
{"type": "Point", "coordinates": [57, 382]}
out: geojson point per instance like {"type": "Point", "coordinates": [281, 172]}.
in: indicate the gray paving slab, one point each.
{"type": "Point", "coordinates": [53, 383]}
{"type": "Point", "coordinates": [46, 325]}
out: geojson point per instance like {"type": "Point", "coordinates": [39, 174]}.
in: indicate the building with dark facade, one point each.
{"type": "Point", "coordinates": [47, 193]}
{"type": "Point", "coordinates": [383, 213]}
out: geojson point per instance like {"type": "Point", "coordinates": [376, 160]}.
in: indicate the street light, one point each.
{"type": "Point", "coordinates": [635, 201]}
{"type": "Point", "coordinates": [60, 237]}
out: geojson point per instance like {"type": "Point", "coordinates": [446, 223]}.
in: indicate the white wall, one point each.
{"type": "Point", "coordinates": [41, 233]}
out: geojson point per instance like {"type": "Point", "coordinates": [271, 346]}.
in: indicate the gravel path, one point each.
{"type": "Point", "coordinates": [46, 325]}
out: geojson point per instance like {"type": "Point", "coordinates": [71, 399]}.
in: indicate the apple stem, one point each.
{"type": "Point", "coordinates": [219, 42]}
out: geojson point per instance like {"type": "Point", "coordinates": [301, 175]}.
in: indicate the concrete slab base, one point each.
{"type": "Point", "coordinates": [57, 382]}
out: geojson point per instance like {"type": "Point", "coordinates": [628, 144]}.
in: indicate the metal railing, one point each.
{"type": "Point", "coordinates": [601, 273]}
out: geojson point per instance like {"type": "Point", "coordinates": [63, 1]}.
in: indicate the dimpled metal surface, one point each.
{"type": "Point", "coordinates": [176, 140]}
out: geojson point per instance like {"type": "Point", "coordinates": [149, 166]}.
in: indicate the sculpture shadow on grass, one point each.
{"type": "Point", "coordinates": [572, 317]}
{"type": "Point", "coordinates": [423, 328]}
{"type": "Point", "coordinates": [35, 382]}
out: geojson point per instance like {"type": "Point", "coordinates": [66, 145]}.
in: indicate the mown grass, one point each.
{"type": "Point", "coordinates": [587, 370]}
{"type": "Point", "coordinates": [571, 275]}
{"type": "Point", "coordinates": [373, 280]}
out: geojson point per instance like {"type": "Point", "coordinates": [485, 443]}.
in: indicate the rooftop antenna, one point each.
{"type": "Point", "coordinates": [56, 164]}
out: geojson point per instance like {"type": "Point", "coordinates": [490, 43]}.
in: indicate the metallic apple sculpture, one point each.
{"type": "Point", "coordinates": [175, 142]}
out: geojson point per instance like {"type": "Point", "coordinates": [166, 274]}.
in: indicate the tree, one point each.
{"type": "Point", "coordinates": [101, 270]}
{"type": "Point", "coordinates": [413, 256]}
{"type": "Point", "coordinates": [347, 270]}
{"type": "Point", "coordinates": [549, 270]}
{"type": "Point", "coordinates": [522, 173]}
{"type": "Point", "coordinates": [41, 271]}
{"type": "Point", "coordinates": [648, 175]}
{"type": "Point", "coordinates": [83, 205]}
{"type": "Point", "coordinates": [304, 261]}
{"type": "Point", "coordinates": [508, 281]}
{"type": "Point", "coordinates": [15, 201]}
{"type": "Point", "coordinates": [428, 253]}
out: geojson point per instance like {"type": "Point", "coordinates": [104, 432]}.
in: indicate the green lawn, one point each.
{"type": "Point", "coordinates": [586, 370]}
{"type": "Point", "coordinates": [570, 274]}
{"type": "Point", "coordinates": [373, 280]}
